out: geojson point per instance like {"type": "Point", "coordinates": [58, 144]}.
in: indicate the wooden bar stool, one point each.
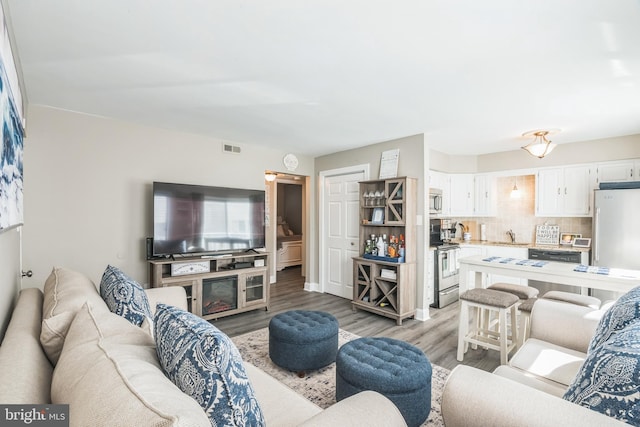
{"type": "Point", "coordinates": [481, 331]}
{"type": "Point", "coordinates": [527, 296]}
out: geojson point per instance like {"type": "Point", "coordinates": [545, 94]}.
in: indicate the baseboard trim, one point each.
{"type": "Point", "coordinates": [312, 287]}
{"type": "Point", "coordinates": [422, 314]}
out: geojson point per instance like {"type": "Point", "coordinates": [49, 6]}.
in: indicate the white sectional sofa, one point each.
{"type": "Point", "coordinates": [529, 390]}
{"type": "Point", "coordinates": [107, 370]}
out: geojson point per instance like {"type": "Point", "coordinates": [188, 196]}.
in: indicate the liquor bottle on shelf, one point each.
{"type": "Point", "coordinates": [386, 245]}
{"type": "Point", "coordinates": [393, 247]}
{"type": "Point", "coordinates": [368, 248]}
{"type": "Point", "coordinates": [380, 246]}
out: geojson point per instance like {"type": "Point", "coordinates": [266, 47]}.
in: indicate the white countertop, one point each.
{"type": "Point", "coordinates": [520, 245]}
{"type": "Point", "coordinates": [555, 272]}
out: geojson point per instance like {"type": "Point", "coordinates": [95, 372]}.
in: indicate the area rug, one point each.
{"type": "Point", "coordinates": [319, 386]}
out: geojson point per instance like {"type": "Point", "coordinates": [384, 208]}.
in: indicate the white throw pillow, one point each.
{"type": "Point", "coordinates": [109, 375]}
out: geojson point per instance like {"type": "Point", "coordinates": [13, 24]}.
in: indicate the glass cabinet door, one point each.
{"type": "Point", "coordinates": [254, 288]}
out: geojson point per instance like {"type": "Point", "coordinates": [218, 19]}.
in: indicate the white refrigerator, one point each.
{"type": "Point", "coordinates": [616, 232]}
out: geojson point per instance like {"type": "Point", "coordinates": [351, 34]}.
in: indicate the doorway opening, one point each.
{"type": "Point", "coordinates": [286, 237]}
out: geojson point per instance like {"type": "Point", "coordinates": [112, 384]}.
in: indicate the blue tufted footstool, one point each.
{"type": "Point", "coordinates": [302, 340]}
{"type": "Point", "coordinates": [394, 368]}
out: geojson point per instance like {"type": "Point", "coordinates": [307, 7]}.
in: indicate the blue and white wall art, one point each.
{"type": "Point", "coordinates": [11, 158]}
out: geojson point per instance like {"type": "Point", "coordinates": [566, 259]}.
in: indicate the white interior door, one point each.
{"type": "Point", "coordinates": [340, 235]}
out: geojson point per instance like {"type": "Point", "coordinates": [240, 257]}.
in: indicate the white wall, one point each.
{"type": "Point", "coordinates": [411, 162]}
{"type": "Point", "coordinates": [88, 187]}
{"type": "Point", "coordinates": [9, 274]}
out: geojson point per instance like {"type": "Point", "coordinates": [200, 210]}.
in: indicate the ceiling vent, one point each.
{"type": "Point", "coordinates": [228, 148]}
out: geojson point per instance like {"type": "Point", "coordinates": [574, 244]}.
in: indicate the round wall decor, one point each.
{"type": "Point", "coordinates": [290, 162]}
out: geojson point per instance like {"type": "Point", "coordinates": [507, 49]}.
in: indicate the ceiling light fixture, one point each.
{"type": "Point", "coordinates": [540, 146]}
{"type": "Point", "coordinates": [270, 176]}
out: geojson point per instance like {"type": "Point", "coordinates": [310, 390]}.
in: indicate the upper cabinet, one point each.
{"type": "Point", "coordinates": [564, 191]}
{"type": "Point", "coordinates": [626, 170]}
{"type": "Point", "coordinates": [440, 181]}
{"type": "Point", "coordinates": [465, 194]}
{"type": "Point", "coordinates": [462, 193]}
{"type": "Point", "coordinates": [485, 197]}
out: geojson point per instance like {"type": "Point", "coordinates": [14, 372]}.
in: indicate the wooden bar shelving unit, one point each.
{"type": "Point", "coordinates": [383, 285]}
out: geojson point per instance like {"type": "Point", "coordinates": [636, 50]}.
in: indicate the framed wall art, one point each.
{"type": "Point", "coordinates": [11, 166]}
{"type": "Point", "coordinates": [11, 141]}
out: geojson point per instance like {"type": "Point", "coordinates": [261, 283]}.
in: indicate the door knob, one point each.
{"type": "Point", "coordinates": [27, 273]}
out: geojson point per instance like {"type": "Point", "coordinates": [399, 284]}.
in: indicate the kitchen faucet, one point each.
{"type": "Point", "coordinates": [512, 235]}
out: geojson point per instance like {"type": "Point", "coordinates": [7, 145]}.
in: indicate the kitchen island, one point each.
{"type": "Point", "coordinates": [473, 270]}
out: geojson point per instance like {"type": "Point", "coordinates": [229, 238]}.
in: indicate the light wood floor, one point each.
{"type": "Point", "coordinates": [437, 337]}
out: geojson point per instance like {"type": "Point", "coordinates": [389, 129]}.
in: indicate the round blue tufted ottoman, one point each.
{"type": "Point", "coordinates": [394, 368]}
{"type": "Point", "coordinates": [302, 340]}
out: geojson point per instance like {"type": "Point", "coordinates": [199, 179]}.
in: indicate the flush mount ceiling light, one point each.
{"type": "Point", "coordinates": [270, 176]}
{"type": "Point", "coordinates": [540, 146]}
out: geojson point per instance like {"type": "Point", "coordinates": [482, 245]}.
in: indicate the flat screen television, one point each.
{"type": "Point", "coordinates": [198, 219]}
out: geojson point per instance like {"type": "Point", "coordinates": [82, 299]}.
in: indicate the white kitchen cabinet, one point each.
{"type": "Point", "coordinates": [465, 194]}
{"type": "Point", "coordinates": [564, 191]}
{"type": "Point", "coordinates": [440, 180]}
{"type": "Point", "coordinates": [484, 195]}
{"type": "Point", "coordinates": [462, 194]}
{"type": "Point", "coordinates": [579, 182]}
{"type": "Point", "coordinates": [471, 250]}
{"type": "Point", "coordinates": [548, 192]}
{"type": "Point", "coordinates": [618, 171]}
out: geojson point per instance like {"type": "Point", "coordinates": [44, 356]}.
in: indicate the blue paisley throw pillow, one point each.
{"type": "Point", "coordinates": [609, 380]}
{"type": "Point", "coordinates": [624, 311]}
{"type": "Point", "coordinates": [124, 296]}
{"type": "Point", "coordinates": [205, 364]}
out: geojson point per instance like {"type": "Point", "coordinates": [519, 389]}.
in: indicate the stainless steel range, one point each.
{"type": "Point", "coordinates": [446, 269]}
{"type": "Point", "coordinates": [446, 275]}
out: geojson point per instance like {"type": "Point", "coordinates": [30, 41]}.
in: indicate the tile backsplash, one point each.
{"type": "Point", "coordinates": [517, 214]}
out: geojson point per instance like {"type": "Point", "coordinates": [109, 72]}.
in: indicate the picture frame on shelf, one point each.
{"type": "Point", "coordinates": [567, 239]}
{"type": "Point", "coordinates": [547, 234]}
{"type": "Point", "coordinates": [377, 216]}
{"type": "Point", "coordinates": [582, 242]}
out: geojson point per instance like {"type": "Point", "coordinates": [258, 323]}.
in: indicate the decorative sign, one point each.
{"type": "Point", "coordinates": [193, 267]}
{"type": "Point", "coordinates": [547, 234]}
{"type": "Point", "coordinates": [389, 164]}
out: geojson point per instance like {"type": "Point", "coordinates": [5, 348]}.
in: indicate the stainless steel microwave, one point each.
{"type": "Point", "coordinates": [435, 201]}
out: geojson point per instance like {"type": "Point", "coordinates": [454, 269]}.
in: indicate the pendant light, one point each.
{"type": "Point", "coordinates": [540, 146]}
{"type": "Point", "coordinates": [515, 193]}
